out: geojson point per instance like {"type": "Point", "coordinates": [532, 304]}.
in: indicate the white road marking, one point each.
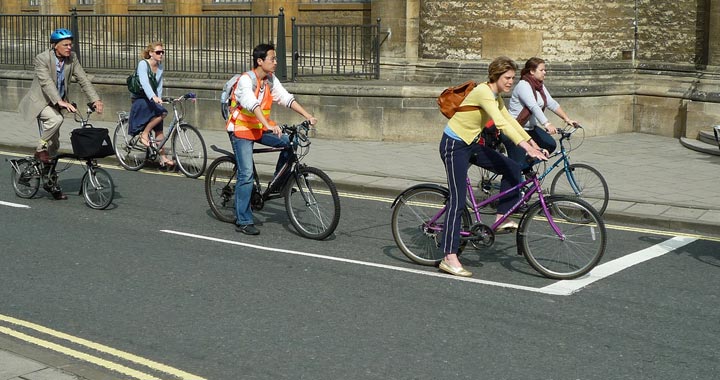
{"type": "Point", "coordinates": [358, 262]}
{"type": "Point", "coordinates": [17, 205]}
{"type": "Point", "coordinates": [568, 287]}
{"type": "Point", "coordinates": [564, 288]}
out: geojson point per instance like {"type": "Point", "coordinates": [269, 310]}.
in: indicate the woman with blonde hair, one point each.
{"type": "Point", "coordinates": [147, 112]}
{"type": "Point", "coordinates": [458, 149]}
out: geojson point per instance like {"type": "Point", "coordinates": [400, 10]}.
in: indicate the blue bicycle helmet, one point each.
{"type": "Point", "coordinates": [59, 35]}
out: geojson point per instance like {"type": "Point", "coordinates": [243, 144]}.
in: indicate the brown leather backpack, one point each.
{"type": "Point", "coordinates": [450, 99]}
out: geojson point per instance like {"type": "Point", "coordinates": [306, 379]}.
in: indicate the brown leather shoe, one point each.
{"type": "Point", "coordinates": [56, 192]}
{"type": "Point", "coordinates": [43, 156]}
{"type": "Point", "coordinates": [58, 195]}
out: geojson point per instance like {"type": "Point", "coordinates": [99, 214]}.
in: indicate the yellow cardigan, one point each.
{"type": "Point", "coordinates": [467, 125]}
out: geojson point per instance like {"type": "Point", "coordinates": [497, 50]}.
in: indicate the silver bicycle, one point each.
{"type": "Point", "coordinates": [186, 143]}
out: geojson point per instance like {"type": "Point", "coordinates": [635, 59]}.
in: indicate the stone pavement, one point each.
{"type": "Point", "coordinates": [654, 181]}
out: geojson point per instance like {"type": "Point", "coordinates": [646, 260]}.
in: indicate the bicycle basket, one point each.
{"type": "Point", "coordinates": [91, 142]}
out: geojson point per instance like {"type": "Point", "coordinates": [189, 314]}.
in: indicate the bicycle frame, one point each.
{"type": "Point", "coordinates": [293, 159]}
{"type": "Point", "coordinates": [534, 183]}
{"type": "Point", "coordinates": [172, 129]}
{"type": "Point", "coordinates": [564, 159]}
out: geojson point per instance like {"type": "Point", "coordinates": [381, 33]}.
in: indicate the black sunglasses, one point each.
{"type": "Point", "coordinates": [160, 52]}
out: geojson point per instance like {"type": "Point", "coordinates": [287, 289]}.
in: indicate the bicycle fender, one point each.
{"type": "Point", "coordinates": [221, 150]}
{"type": "Point", "coordinates": [433, 186]}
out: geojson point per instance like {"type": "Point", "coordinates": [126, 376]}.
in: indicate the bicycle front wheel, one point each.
{"type": "Point", "coordinates": [417, 224]}
{"type": "Point", "coordinates": [575, 250]}
{"type": "Point", "coordinates": [312, 203]}
{"type": "Point", "coordinates": [25, 178]}
{"type": "Point", "coordinates": [583, 181]}
{"type": "Point", "coordinates": [189, 150]}
{"type": "Point", "coordinates": [98, 188]}
{"type": "Point", "coordinates": [128, 150]}
{"type": "Point", "coordinates": [220, 183]}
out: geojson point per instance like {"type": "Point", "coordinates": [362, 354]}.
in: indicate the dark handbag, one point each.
{"type": "Point", "coordinates": [133, 81]}
{"type": "Point", "coordinates": [133, 84]}
{"type": "Point", "coordinates": [91, 142]}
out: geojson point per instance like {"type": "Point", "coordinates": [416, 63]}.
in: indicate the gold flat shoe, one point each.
{"type": "Point", "coordinates": [507, 227]}
{"type": "Point", "coordinates": [462, 272]}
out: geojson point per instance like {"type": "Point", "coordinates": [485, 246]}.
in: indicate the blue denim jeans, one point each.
{"type": "Point", "coordinates": [244, 157]}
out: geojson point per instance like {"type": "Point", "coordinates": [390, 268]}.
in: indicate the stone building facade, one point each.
{"type": "Point", "coordinates": [564, 31]}
{"type": "Point", "coordinates": [617, 65]}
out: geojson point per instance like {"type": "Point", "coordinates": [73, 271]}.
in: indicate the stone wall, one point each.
{"type": "Point", "coordinates": [671, 31]}
{"type": "Point", "coordinates": [562, 31]}
{"type": "Point", "coordinates": [324, 16]}
{"type": "Point", "coordinates": [609, 98]}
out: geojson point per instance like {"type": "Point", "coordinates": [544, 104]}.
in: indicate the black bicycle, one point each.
{"type": "Point", "coordinates": [311, 198]}
{"type": "Point", "coordinates": [97, 187]}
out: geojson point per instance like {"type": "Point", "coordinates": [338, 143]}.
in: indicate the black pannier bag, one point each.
{"type": "Point", "coordinates": [91, 142]}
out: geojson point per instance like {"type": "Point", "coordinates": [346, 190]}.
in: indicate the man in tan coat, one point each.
{"type": "Point", "coordinates": [48, 94]}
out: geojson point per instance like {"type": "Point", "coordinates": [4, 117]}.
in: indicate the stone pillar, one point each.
{"type": "Point", "coordinates": [10, 7]}
{"type": "Point", "coordinates": [111, 7]}
{"type": "Point", "coordinates": [58, 7]}
{"type": "Point", "coordinates": [400, 22]}
{"type": "Point", "coordinates": [714, 35]}
{"type": "Point", "coordinates": [182, 7]}
{"type": "Point", "coordinates": [272, 8]}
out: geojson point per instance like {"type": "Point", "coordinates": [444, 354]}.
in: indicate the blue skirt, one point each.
{"type": "Point", "coordinates": [142, 111]}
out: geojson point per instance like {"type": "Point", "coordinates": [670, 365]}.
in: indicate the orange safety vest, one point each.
{"type": "Point", "coordinates": [242, 122]}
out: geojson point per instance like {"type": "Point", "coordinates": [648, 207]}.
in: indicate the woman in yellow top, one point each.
{"type": "Point", "coordinates": [458, 150]}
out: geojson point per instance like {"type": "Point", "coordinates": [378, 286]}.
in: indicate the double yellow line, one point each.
{"type": "Point", "coordinates": [135, 374]}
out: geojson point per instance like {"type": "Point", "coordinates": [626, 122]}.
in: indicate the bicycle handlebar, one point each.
{"type": "Point", "coordinates": [90, 109]}
{"type": "Point", "coordinates": [304, 125]}
{"type": "Point", "coordinates": [189, 95]}
{"type": "Point", "coordinates": [566, 133]}
{"type": "Point", "coordinates": [299, 130]}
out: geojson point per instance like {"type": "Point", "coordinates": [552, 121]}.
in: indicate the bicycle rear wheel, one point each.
{"type": "Point", "coordinates": [128, 150]}
{"type": "Point", "coordinates": [189, 150]}
{"type": "Point", "coordinates": [572, 254]}
{"type": "Point", "coordinates": [312, 203]}
{"type": "Point", "coordinates": [488, 186]}
{"type": "Point", "coordinates": [583, 181]}
{"type": "Point", "coordinates": [26, 178]}
{"type": "Point", "coordinates": [98, 188]}
{"type": "Point", "coordinates": [417, 237]}
{"type": "Point", "coordinates": [220, 188]}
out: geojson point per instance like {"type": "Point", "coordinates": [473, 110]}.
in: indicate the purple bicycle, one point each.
{"type": "Point", "coordinates": [561, 237]}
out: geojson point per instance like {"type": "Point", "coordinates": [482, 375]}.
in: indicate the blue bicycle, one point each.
{"type": "Point", "coordinates": [575, 180]}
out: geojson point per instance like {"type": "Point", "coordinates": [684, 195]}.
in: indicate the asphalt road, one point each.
{"type": "Point", "coordinates": [157, 277]}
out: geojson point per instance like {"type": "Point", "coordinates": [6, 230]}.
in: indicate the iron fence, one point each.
{"type": "Point", "coordinates": [203, 45]}
{"type": "Point", "coordinates": [194, 44]}
{"type": "Point", "coordinates": [335, 50]}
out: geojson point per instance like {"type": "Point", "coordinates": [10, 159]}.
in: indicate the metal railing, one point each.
{"type": "Point", "coordinates": [194, 44]}
{"type": "Point", "coordinates": [335, 50]}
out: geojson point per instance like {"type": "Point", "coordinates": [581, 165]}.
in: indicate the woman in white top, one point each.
{"type": "Point", "coordinates": [527, 104]}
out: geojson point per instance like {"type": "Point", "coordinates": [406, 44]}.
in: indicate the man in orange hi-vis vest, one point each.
{"type": "Point", "coordinates": [250, 122]}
